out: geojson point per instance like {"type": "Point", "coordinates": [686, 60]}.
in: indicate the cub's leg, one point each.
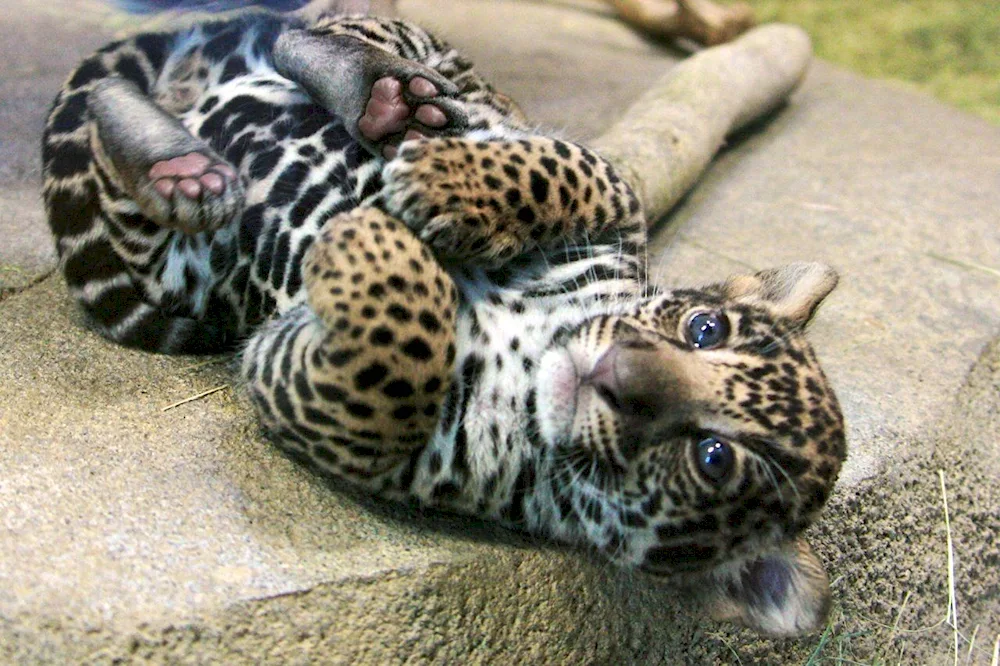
{"type": "Point", "coordinates": [373, 74]}
{"type": "Point", "coordinates": [352, 379]}
{"type": "Point", "coordinates": [489, 202]}
{"type": "Point", "coordinates": [96, 166]}
{"type": "Point", "coordinates": [177, 180]}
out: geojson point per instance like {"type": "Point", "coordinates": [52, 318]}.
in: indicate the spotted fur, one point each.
{"type": "Point", "coordinates": [468, 325]}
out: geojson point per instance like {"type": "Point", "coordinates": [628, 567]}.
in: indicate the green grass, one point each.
{"type": "Point", "coordinates": [948, 48]}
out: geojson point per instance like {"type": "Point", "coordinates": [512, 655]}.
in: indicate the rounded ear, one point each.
{"type": "Point", "coordinates": [793, 291]}
{"type": "Point", "coordinates": [781, 593]}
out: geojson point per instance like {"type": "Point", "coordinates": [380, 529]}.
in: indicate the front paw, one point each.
{"type": "Point", "coordinates": [444, 190]}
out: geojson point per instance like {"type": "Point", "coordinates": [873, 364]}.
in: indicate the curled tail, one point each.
{"type": "Point", "coordinates": [154, 6]}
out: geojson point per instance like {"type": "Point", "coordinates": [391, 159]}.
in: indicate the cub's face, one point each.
{"type": "Point", "coordinates": [698, 427]}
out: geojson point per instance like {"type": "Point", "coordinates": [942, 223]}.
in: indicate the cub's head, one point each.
{"type": "Point", "coordinates": [697, 432]}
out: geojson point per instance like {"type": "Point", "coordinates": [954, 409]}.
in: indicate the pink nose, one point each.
{"type": "Point", "coordinates": [638, 383]}
{"type": "Point", "coordinates": [604, 378]}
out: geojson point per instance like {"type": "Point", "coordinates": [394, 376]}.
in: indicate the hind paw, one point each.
{"type": "Point", "coordinates": [193, 192]}
{"type": "Point", "coordinates": [398, 112]}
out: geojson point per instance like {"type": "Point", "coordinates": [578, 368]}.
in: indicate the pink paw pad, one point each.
{"type": "Point", "coordinates": [388, 113]}
{"type": "Point", "coordinates": [191, 175]}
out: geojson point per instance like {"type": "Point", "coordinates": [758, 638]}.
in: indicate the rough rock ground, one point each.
{"type": "Point", "coordinates": [132, 533]}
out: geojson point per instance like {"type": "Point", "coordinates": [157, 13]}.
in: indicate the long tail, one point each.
{"type": "Point", "coordinates": [153, 6]}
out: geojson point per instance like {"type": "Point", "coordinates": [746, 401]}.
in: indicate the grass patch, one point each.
{"type": "Point", "coordinates": [948, 48]}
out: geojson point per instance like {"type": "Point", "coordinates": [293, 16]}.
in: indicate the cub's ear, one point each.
{"type": "Point", "coordinates": [793, 291]}
{"type": "Point", "coordinates": [781, 593]}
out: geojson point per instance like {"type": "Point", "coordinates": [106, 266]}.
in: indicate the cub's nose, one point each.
{"type": "Point", "coordinates": [638, 383]}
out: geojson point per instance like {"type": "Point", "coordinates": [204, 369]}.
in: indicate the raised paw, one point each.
{"type": "Point", "coordinates": [389, 312]}
{"type": "Point", "coordinates": [491, 201]}
{"type": "Point", "coordinates": [398, 112]}
{"type": "Point", "coordinates": [193, 192]}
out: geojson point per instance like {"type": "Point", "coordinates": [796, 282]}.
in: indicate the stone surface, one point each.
{"type": "Point", "coordinates": [133, 533]}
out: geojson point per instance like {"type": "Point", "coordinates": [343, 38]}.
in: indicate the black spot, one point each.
{"type": "Point", "coordinates": [539, 186]}
{"type": "Point", "coordinates": [326, 454]}
{"type": "Point", "coordinates": [67, 158]}
{"type": "Point", "coordinates": [114, 305]}
{"type": "Point", "coordinates": [279, 262]}
{"type": "Point", "coordinates": [301, 384]}
{"type": "Point", "coordinates": [381, 336]}
{"type": "Point", "coordinates": [429, 321]}
{"type": "Point", "coordinates": [72, 113]}
{"type": "Point", "coordinates": [341, 357]}
{"type": "Point", "coordinates": [284, 404]}
{"type": "Point", "coordinates": [263, 163]}
{"type": "Point", "coordinates": [551, 166]}
{"type": "Point", "coordinates": [318, 417]}
{"type": "Point", "coordinates": [370, 376]}
{"type": "Point", "coordinates": [445, 491]}
{"type": "Point", "coordinates": [403, 412]}
{"type": "Point", "coordinates": [435, 463]}
{"type": "Point", "coordinates": [359, 409]}
{"type": "Point", "coordinates": [398, 388]}
{"type": "Point", "coordinates": [90, 70]}
{"type": "Point", "coordinates": [681, 556]}
{"type": "Point", "coordinates": [128, 67]}
{"type": "Point", "coordinates": [94, 261]}
{"type": "Point", "coordinates": [210, 104]}
{"type": "Point", "coordinates": [235, 66]}
{"type": "Point", "coordinates": [287, 185]}
{"type": "Point", "coordinates": [71, 213]}
{"type": "Point", "coordinates": [399, 313]}
{"type": "Point", "coordinates": [331, 392]}
{"type": "Point", "coordinates": [294, 281]}
{"type": "Point", "coordinates": [307, 203]}
{"type": "Point", "coordinates": [513, 512]}
{"type": "Point", "coordinates": [418, 349]}
{"type": "Point", "coordinates": [222, 44]}
{"type": "Point", "coordinates": [251, 224]}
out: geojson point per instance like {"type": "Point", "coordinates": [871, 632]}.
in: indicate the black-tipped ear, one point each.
{"type": "Point", "coordinates": [781, 593]}
{"type": "Point", "coordinates": [793, 291]}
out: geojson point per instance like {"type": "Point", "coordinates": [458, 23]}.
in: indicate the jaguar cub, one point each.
{"type": "Point", "coordinates": [437, 304]}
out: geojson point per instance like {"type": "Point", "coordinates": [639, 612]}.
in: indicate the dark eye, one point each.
{"type": "Point", "coordinates": [707, 329]}
{"type": "Point", "coordinates": [715, 459]}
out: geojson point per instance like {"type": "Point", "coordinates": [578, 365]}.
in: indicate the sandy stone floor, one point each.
{"type": "Point", "coordinates": [129, 532]}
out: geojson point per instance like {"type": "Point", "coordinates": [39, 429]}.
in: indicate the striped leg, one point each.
{"type": "Point", "coordinates": [177, 180]}
{"type": "Point", "coordinates": [352, 380]}
{"type": "Point", "coordinates": [390, 81]}
{"type": "Point", "coordinates": [96, 159]}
